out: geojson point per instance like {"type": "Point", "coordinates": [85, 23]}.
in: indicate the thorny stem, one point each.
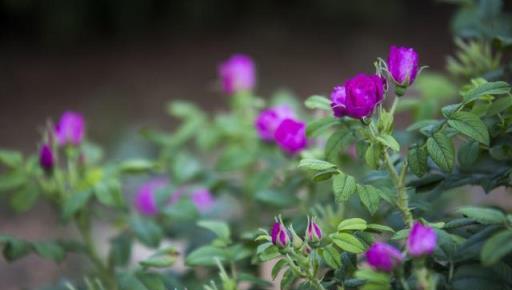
{"type": "Point", "coordinates": [402, 201]}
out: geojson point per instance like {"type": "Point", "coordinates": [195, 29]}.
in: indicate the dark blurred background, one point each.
{"type": "Point", "coordinates": [120, 61]}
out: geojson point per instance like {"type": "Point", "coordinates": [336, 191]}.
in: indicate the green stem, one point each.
{"type": "Point", "coordinates": [84, 227]}
{"type": "Point", "coordinates": [393, 106]}
{"type": "Point", "coordinates": [402, 201]}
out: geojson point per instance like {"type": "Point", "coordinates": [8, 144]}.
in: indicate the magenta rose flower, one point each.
{"type": "Point", "coordinates": [237, 74]}
{"type": "Point", "coordinates": [145, 199]}
{"type": "Point", "coordinates": [363, 94]}
{"type": "Point", "coordinates": [46, 158]}
{"type": "Point", "coordinates": [383, 257]}
{"type": "Point", "coordinates": [70, 129]}
{"type": "Point", "coordinates": [268, 120]}
{"type": "Point", "coordinates": [290, 135]}
{"type": "Point", "coordinates": [422, 240]}
{"type": "Point", "coordinates": [403, 65]}
{"type": "Point", "coordinates": [279, 234]}
{"type": "Point", "coordinates": [338, 101]}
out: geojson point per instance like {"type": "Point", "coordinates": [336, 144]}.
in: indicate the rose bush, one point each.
{"type": "Point", "coordinates": [343, 195]}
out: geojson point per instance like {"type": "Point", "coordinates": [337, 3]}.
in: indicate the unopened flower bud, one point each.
{"type": "Point", "coordinates": [46, 158]}
{"type": "Point", "coordinates": [279, 234]}
{"type": "Point", "coordinates": [403, 65]}
{"type": "Point", "coordinates": [313, 231]}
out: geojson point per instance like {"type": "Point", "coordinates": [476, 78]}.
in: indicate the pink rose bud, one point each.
{"type": "Point", "coordinates": [403, 65]}
{"type": "Point", "coordinates": [290, 135]}
{"type": "Point", "coordinates": [422, 240]}
{"type": "Point", "coordinates": [202, 199]}
{"type": "Point", "coordinates": [145, 199]}
{"type": "Point", "coordinates": [279, 234]}
{"type": "Point", "coordinates": [313, 231]}
{"type": "Point", "coordinates": [338, 101]}
{"type": "Point", "coordinates": [363, 94]}
{"type": "Point", "coordinates": [46, 158]}
{"type": "Point", "coordinates": [383, 257]}
{"type": "Point", "coordinates": [268, 120]}
{"type": "Point", "coordinates": [70, 129]}
{"type": "Point", "coordinates": [237, 74]}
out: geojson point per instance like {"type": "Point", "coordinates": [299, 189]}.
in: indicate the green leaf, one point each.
{"type": "Point", "coordinates": [185, 167]}
{"type": "Point", "coordinates": [324, 175]}
{"type": "Point", "coordinates": [470, 124]}
{"type": "Point", "coordinates": [374, 280]}
{"type": "Point", "coordinates": [389, 141]}
{"type": "Point", "coordinates": [488, 88]}
{"type": "Point", "coordinates": [14, 249]}
{"type": "Point", "coordinates": [315, 164]}
{"type": "Point", "coordinates": [278, 267]}
{"type": "Point", "coordinates": [25, 198]}
{"type": "Point", "coordinates": [496, 247]}
{"type": "Point", "coordinates": [441, 150]}
{"type": "Point", "coordinates": [205, 256]}
{"type": "Point", "coordinates": [317, 127]}
{"type": "Point", "coordinates": [417, 160]}
{"type": "Point", "coordinates": [152, 281]}
{"type": "Point", "coordinates": [380, 228]}
{"type": "Point", "coordinates": [136, 166]}
{"type": "Point", "coordinates": [288, 279]}
{"type": "Point", "coordinates": [49, 250]}
{"type": "Point", "coordinates": [12, 180]}
{"type": "Point", "coordinates": [121, 249]}
{"type": "Point", "coordinates": [221, 229]}
{"type": "Point", "coordinates": [127, 281]}
{"type": "Point", "coordinates": [468, 153]}
{"type": "Point", "coordinates": [348, 242]}
{"type": "Point", "coordinates": [75, 202]}
{"type": "Point", "coordinates": [318, 102]}
{"type": "Point", "coordinates": [159, 261]}
{"type": "Point", "coordinates": [370, 197]}
{"type": "Point", "coordinates": [372, 156]}
{"type": "Point", "coordinates": [10, 158]}
{"type": "Point", "coordinates": [486, 216]}
{"type": "Point", "coordinates": [343, 186]}
{"type": "Point", "coordinates": [267, 251]}
{"type": "Point", "coordinates": [499, 105]}
{"type": "Point", "coordinates": [334, 144]}
{"type": "Point", "coordinates": [146, 230]}
{"type": "Point", "coordinates": [331, 256]}
{"type": "Point", "coordinates": [352, 224]}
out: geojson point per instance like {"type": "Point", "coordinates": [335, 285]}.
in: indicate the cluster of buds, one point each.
{"type": "Point", "coordinates": [69, 131]}
{"type": "Point", "coordinates": [422, 241]}
{"type": "Point", "coordinates": [281, 236]}
{"type": "Point", "coordinates": [360, 95]}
